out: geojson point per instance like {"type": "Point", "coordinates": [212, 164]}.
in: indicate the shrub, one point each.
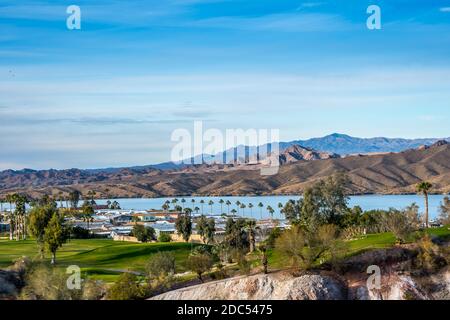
{"type": "Point", "coordinates": [429, 257]}
{"type": "Point", "coordinates": [200, 263]}
{"type": "Point", "coordinates": [397, 223]}
{"type": "Point", "coordinates": [125, 288]}
{"type": "Point", "coordinates": [161, 264]}
{"type": "Point", "coordinates": [306, 249]}
{"type": "Point", "coordinates": [164, 237]}
{"type": "Point", "coordinates": [48, 283]}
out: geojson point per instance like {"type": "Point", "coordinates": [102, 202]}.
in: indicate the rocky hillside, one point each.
{"type": "Point", "coordinates": [382, 173]}
{"type": "Point", "coordinates": [351, 284]}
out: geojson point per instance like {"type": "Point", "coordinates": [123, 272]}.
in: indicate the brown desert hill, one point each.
{"type": "Point", "coordinates": [390, 173]}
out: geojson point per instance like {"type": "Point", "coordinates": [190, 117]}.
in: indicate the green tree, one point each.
{"type": "Point", "coordinates": [161, 264]}
{"type": "Point", "coordinates": [250, 227]}
{"type": "Point", "coordinates": [306, 249]}
{"type": "Point", "coordinates": [206, 229]}
{"type": "Point", "coordinates": [38, 220]}
{"type": "Point", "coordinates": [424, 188]}
{"type": "Point", "coordinates": [74, 198]}
{"type": "Point", "coordinates": [125, 288]}
{"type": "Point", "coordinates": [200, 263]}
{"type": "Point", "coordinates": [183, 225]}
{"type": "Point", "coordinates": [397, 222]}
{"type": "Point", "coordinates": [142, 233]}
{"type": "Point", "coordinates": [87, 211]}
{"type": "Point", "coordinates": [55, 235]}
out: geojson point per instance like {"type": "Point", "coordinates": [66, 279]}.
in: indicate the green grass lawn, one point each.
{"type": "Point", "coordinates": [98, 258]}
{"type": "Point", "coordinates": [105, 259]}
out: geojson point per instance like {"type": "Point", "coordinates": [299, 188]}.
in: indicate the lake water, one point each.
{"type": "Point", "coordinates": [366, 202]}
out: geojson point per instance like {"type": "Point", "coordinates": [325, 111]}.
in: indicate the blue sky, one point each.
{"type": "Point", "coordinates": [111, 93]}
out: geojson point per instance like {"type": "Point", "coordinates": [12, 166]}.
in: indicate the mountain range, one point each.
{"type": "Point", "coordinates": [382, 172]}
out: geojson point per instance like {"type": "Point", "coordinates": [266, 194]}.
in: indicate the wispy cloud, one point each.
{"type": "Point", "coordinates": [290, 22]}
{"type": "Point", "coordinates": [445, 9]}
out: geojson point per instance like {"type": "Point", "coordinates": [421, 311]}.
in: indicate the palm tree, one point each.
{"type": "Point", "coordinates": [250, 205]}
{"type": "Point", "coordinates": [165, 206]}
{"type": "Point", "coordinates": [193, 202]}
{"type": "Point", "coordinates": [183, 201]}
{"type": "Point", "coordinates": [88, 211]}
{"type": "Point", "coordinates": [210, 203]}
{"type": "Point", "coordinates": [196, 209]}
{"type": "Point", "coordinates": [228, 203]}
{"type": "Point", "coordinates": [10, 200]}
{"type": "Point", "coordinates": [424, 187]}
{"type": "Point", "coordinates": [233, 211]}
{"type": "Point", "coordinates": [174, 201]}
{"type": "Point", "coordinates": [250, 226]}
{"type": "Point", "coordinates": [221, 205]}
{"type": "Point", "coordinates": [271, 211]}
{"type": "Point", "coordinates": [238, 205]}
{"type": "Point", "coordinates": [280, 205]}
{"type": "Point", "coordinates": [260, 205]}
{"type": "Point", "coordinates": [202, 202]}
{"type": "Point", "coordinates": [188, 211]}
{"type": "Point", "coordinates": [243, 206]}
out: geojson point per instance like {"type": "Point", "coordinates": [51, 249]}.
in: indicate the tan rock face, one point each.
{"type": "Point", "coordinates": [263, 287]}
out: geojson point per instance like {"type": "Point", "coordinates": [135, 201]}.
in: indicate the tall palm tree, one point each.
{"type": "Point", "coordinates": [271, 211]}
{"type": "Point", "coordinates": [250, 205]}
{"type": "Point", "coordinates": [424, 187]}
{"type": "Point", "coordinates": [196, 209]}
{"type": "Point", "coordinates": [260, 205]}
{"type": "Point", "coordinates": [210, 204]}
{"type": "Point", "coordinates": [193, 202]}
{"type": "Point", "coordinates": [238, 205]}
{"type": "Point", "coordinates": [221, 205]}
{"type": "Point", "coordinates": [183, 201]}
{"type": "Point", "coordinates": [250, 227]}
{"type": "Point", "coordinates": [243, 206]}
{"type": "Point", "coordinates": [280, 205]}
{"type": "Point", "coordinates": [228, 203]}
{"type": "Point", "coordinates": [202, 202]}
{"type": "Point", "coordinates": [10, 200]}
{"type": "Point", "coordinates": [174, 201]}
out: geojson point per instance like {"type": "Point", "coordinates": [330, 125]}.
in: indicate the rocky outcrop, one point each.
{"type": "Point", "coordinates": [277, 286]}
{"type": "Point", "coordinates": [9, 283]}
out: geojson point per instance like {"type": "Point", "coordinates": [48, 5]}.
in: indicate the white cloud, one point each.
{"type": "Point", "coordinates": [445, 9]}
